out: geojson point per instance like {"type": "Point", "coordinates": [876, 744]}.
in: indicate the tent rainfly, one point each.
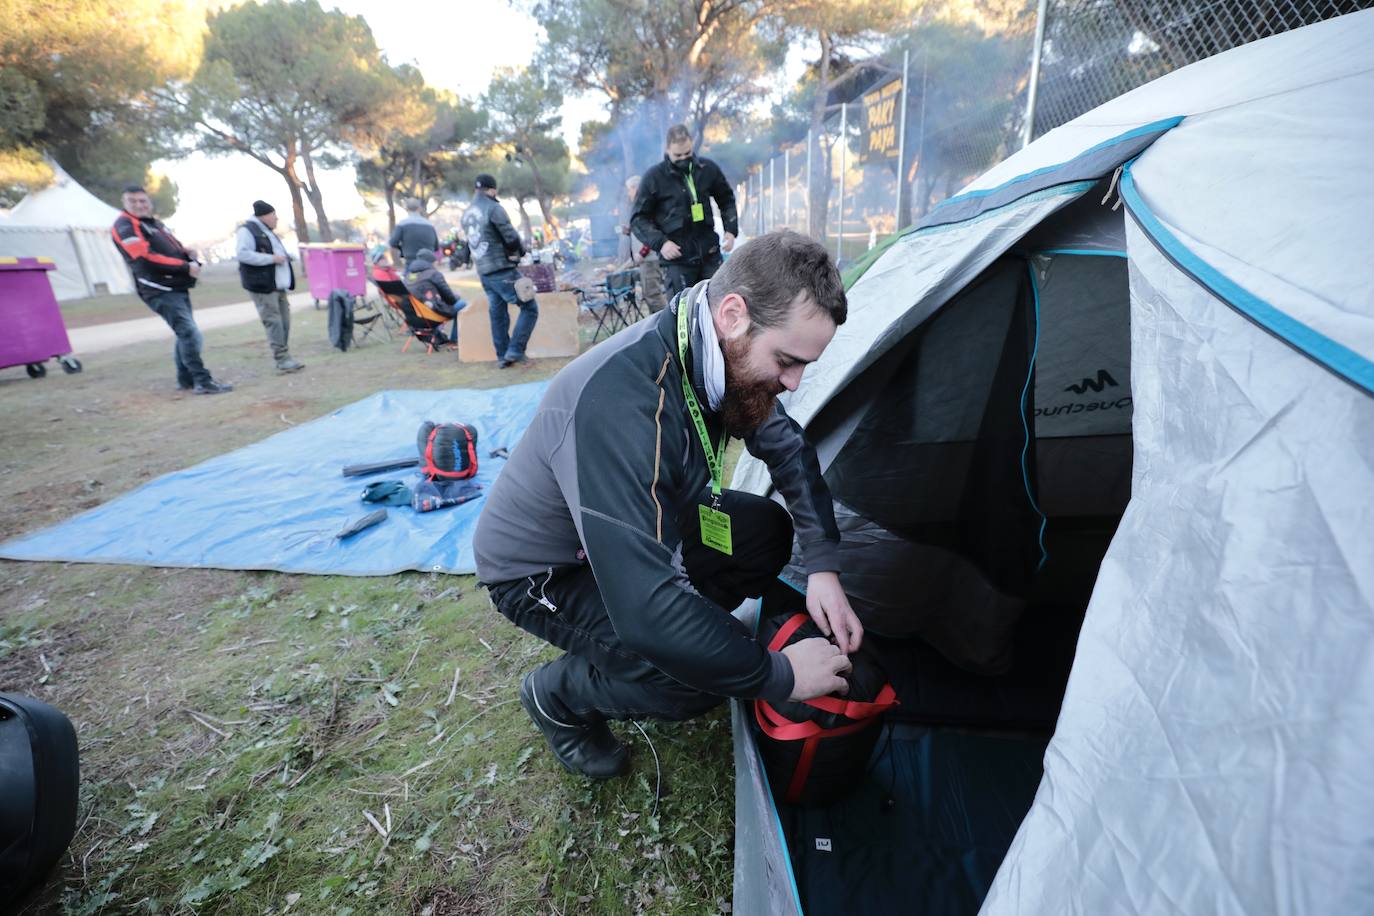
{"type": "Point", "coordinates": [1100, 434]}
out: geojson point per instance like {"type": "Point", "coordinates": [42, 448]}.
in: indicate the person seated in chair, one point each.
{"type": "Point", "coordinates": [426, 283]}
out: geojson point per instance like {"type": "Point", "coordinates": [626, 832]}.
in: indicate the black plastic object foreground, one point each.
{"type": "Point", "coordinates": [39, 776]}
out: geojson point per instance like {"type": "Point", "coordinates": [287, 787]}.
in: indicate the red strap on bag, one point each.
{"type": "Point", "coordinates": [780, 728]}
{"type": "Point", "coordinates": [433, 472]}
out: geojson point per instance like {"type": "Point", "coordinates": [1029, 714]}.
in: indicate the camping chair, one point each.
{"type": "Point", "coordinates": [370, 315]}
{"type": "Point", "coordinates": [620, 286]}
{"type": "Point", "coordinates": [602, 306]}
{"type": "Point", "coordinates": [420, 321]}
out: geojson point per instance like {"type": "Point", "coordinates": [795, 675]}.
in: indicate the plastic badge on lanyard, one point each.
{"type": "Point", "coordinates": [715, 524]}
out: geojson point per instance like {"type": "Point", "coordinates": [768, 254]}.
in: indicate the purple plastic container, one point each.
{"type": "Point", "coordinates": [334, 265]}
{"type": "Point", "coordinates": [34, 332]}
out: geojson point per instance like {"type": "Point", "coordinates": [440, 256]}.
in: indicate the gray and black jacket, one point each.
{"type": "Point", "coordinates": [608, 465]}
{"type": "Point", "coordinates": [491, 236]}
{"type": "Point", "coordinates": [412, 234]}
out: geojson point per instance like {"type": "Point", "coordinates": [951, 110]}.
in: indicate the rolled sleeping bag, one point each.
{"type": "Point", "coordinates": [815, 751]}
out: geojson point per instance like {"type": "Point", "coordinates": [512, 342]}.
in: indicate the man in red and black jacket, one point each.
{"type": "Point", "coordinates": [164, 272]}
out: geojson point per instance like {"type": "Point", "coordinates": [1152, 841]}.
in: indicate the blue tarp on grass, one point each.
{"type": "Point", "coordinates": [277, 504]}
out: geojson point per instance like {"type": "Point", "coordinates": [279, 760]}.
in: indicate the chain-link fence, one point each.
{"type": "Point", "coordinates": [1095, 50]}
{"type": "Point", "coordinates": [956, 102]}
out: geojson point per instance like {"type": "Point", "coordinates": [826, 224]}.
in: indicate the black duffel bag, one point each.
{"type": "Point", "coordinates": [815, 751]}
{"type": "Point", "coordinates": [38, 791]}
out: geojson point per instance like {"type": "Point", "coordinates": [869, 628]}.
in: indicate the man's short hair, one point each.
{"type": "Point", "coordinates": [771, 271]}
{"type": "Point", "coordinates": [133, 189]}
{"type": "Point", "coordinates": [413, 204]}
{"type": "Point", "coordinates": [678, 133]}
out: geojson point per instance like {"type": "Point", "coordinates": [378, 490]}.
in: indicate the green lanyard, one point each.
{"type": "Point", "coordinates": [698, 210]}
{"type": "Point", "coordinates": [716, 457]}
{"type": "Point", "coordinates": [691, 186]}
{"type": "Point", "coordinates": [715, 524]}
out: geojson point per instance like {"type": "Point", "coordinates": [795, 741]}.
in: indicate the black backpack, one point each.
{"type": "Point", "coordinates": [38, 792]}
{"type": "Point", "coordinates": [448, 451]}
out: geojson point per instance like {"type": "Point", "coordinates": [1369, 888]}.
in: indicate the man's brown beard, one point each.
{"type": "Point", "coordinates": [747, 403]}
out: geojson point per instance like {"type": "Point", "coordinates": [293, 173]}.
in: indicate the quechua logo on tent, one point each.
{"type": "Point", "coordinates": [1104, 378]}
{"type": "Point", "coordinates": [1096, 385]}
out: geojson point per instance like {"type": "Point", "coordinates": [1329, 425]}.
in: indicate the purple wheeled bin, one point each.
{"type": "Point", "coordinates": [34, 332]}
{"type": "Point", "coordinates": [334, 265]}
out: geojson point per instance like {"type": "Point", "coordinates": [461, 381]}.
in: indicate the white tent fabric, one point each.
{"type": "Point", "coordinates": [70, 225]}
{"type": "Point", "coordinates": [1215, 750]}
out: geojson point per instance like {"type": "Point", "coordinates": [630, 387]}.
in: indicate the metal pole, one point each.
{"type": "Point", "coordinates": [1029, 127]}
{"type": "Point", "coordinates": [761, 223]}
{"type": "Point", "coordinates": [844, 161]}
{"type": "Point", "coordinates": [901, 142]}
{"type": "Point", "coordinates": [786, 186]}
{"type": "Point", "coordinates": [921, 134]}
{"type": "Point", "coordinates": [772, 194]}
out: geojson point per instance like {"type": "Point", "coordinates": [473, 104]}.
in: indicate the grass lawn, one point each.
{"type": "Point", "coordinates": [267, 743]}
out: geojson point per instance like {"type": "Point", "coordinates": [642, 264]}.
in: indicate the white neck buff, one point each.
{"type": "Point", "coordinates": [712, 359]}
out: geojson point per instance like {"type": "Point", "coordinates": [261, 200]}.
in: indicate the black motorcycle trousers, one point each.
{"type": "Point", "coordinates": [598, 678]}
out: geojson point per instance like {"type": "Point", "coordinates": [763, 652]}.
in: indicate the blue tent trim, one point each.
{"type": "Point", "coordinates": [1334, 356]}
{"type": "Point", "coordinates": [1094, 163]}
{"type": "Point", "coordinates": [1025, 426]}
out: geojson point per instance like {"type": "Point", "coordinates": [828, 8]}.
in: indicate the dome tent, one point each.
{"type": "Point", "coordinates": [70, 225]}
{"type": "Point", "coordinates": [1154, 422]}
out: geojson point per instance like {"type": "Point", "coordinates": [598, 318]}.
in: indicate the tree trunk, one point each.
{"type": "Point", "coordinates": [818, 185]}
{"type": "Point", "coordinates": [525, 223]}
{"type": "Point", "coordinates": [543, 198]}
{"type": "Point", "coordinates": [288, 174]}
{"type": "Point", "coordinates": [390, 193]}
{"type": "Point", "coordinates": [312, 190]}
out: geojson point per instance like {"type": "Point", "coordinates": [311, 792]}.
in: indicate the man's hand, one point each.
{"type": "Point", "coordinates": [195, 269]}
{"type": "Point", "coordinates": [828, 606]}
{"type": "Point", "coordinates": [817, 667]}
{"type": "Point", "coordinates": [670, 251]}
{"type": "Point", "coordinates": [278, 259]}
{"type": "Point", "coordinates": [729, 243]}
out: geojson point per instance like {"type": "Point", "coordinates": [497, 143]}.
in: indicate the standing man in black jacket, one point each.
{"type": "Point", "coordinates": [414, 232]}
{"type": "Point", "coordinates": [164, 272]}
{"type": "Point", "coordinates": [496, 249]}
{"type": "Point", "coordinates": [610, 535]}
{"type": "Point", "coordinates": [672, 213]}
{"type": "Point", "coordinates": [266, 273]}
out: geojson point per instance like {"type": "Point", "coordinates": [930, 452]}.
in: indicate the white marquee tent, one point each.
{"type": "Point", "coordinates": [70, 225]}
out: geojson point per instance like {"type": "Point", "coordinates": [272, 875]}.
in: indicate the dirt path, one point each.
{"type": "Point", "coordinates": [98, 338]}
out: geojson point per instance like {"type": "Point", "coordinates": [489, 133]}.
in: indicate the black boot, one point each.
{"type": "Point", "coordinates": [587, 749]}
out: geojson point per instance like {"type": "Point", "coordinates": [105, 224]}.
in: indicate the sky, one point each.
{"type": "Point", "coordinates": [443, 40]}
{"type": "Point", "coordinates": [440, 38]}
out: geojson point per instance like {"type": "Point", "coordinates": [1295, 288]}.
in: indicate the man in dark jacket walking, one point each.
{"type": "Point", "coordinates": [608, 532]}
{"type": "Point", "coordinates": [266, 273]}
{"type": "Point", "coordinates": [496, 248]}
{"type": "Point", "coordinates": [164, 272]}
{"type": "Point", "coordinates": [672, 213]}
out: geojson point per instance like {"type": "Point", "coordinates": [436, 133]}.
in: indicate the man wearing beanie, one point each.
{"type": "Point", "coordinates": [496, 249]}
{"type": "Point", "coordinates": [265, 271]}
